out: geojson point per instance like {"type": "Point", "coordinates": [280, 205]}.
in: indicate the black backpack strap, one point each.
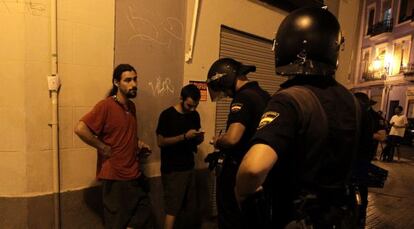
{"type": "Point", "coordinates": [313, 130]}
{"type": "Point", "coordinates": [306, 100]}
{"type": "Point", "coordinates": [358, 117]}
{"type": "Point", "coordinates": [311, 108]}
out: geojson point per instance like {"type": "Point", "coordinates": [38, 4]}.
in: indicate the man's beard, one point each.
{"type": "Point", "coordinates": [131, 93]}
{"type": "Point", "coordinates": [183, 107]}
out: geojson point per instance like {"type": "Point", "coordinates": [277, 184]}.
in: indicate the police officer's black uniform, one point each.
{"type": "Point", "coordinates": [246, 108]}
{"type": "Point", "coordinates": [312, 124]}
{"type": "Point", "coordinates": [314, 154]}
{"type": "Point", "coordinates": [370, 124]}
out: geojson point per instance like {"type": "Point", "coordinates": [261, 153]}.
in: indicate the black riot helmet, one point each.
{"type": "Point", "coordinates": [222, 76]}
{"type": "Point", "coordinates": [307, 43]}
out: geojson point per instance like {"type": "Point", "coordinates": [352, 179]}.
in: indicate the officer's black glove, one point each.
{"type": "Point", "coordinates": [212, 159]}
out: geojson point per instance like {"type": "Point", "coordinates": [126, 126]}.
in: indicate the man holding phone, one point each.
{"type": "Point", "coordinates": [178, 135]}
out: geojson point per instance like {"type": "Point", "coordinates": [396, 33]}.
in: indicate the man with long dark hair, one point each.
{"type": "Point", "coordinates": [111, 128]}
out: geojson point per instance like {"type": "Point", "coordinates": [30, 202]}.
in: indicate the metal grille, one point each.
{"type": "Point", "coordinates": [252, 50]}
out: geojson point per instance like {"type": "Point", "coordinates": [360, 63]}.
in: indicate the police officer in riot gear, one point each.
{"type": "Point", "coordinates": [307, 139]}
{"type": "Point", "coordinates": [227, 78]}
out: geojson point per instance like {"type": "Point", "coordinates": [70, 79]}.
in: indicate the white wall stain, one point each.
{"type": "Point", "coordinates": [161, 87]}
{"type": "Point", "coordinates": [25, 7]}
{"type": "Point", "coordinates": [161, 33]}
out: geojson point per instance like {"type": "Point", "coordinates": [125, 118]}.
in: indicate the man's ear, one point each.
{"type": "Point", "coordinates": [116, 83]}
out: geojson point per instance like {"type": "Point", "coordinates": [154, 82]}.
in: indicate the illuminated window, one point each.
{"type": "Point", "coordinates": [401, 54]}
{"type": "Point", "coordinates": [366, 55]}
{"type": "Point", "coordinates": [366, 72]}
{"type": "Point", "coordinates": [381, 63]}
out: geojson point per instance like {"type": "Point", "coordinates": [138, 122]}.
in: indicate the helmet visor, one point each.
{"type": "Point", "coordinates": [245, 69]}
{"type": "Point", "coordinates": [216, 90]}
{"type": "Point", "coordinates": [309, 67]}
{"type": "Point", "coordinates": [216, 95]}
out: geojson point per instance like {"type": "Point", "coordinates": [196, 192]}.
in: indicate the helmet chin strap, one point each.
{"type": "Point", "coordinates": [233, 88]}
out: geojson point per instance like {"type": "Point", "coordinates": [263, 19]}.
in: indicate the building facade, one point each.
{"type": "Point", "coordinates": [385, 62]}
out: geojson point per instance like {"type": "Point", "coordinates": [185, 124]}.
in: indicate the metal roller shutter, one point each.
{"type": "Point", "coordinates": [248, 49]}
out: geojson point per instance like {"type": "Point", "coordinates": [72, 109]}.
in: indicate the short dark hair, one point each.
{"type": "Point", "coordinates": [116, 76]}
{"type": "Point", "coordinates": [400, 107]}
{"type": "Point", "coordinates": [191, 91]}
{"type": "Point", "coordinates": [364, 100]}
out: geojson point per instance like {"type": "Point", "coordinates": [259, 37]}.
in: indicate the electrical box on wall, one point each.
{"type": "Point", "coordinates": [53, 82]}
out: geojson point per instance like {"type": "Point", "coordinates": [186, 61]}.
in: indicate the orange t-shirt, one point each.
{"type": "Point", "coordinates": [116, 127]}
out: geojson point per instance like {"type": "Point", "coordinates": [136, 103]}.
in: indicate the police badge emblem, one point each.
{"type": "Point", "coordinates": [235, 107]}
{"type": "Point", "coordinates": [267, 118]}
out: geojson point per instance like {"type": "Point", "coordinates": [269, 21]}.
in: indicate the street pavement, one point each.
{"type": "Point", "coordinates": [393, 206]}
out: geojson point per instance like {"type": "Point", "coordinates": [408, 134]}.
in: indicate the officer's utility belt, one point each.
{"type": "Point", "coordinates": [322, 197]}
{"type": "Point", "coordinates": [333, 193]}
{"type": "Point", "coordinates": [319, 205]}
{"type": "Point", "coordinates": [215, 161]}
{"type": "Point", "coordinates": [229, 157]}
{"type": "Point", "coordinates": [218, 158]}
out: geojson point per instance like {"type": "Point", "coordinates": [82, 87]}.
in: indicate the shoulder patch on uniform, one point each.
{"type": "Point", "coordinates": [267, 118]}
{"type": "Point", "coordinates": [235, 107]}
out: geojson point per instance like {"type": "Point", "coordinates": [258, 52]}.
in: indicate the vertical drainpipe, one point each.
{"type": "Point", "coordinates": [189, 53]}
{"type": "Point", "coordinates": [386, 98]}
{"type": "Point", "coordinates": [54, 84]}
{"type": "Point", "coordinates": [383, 98]}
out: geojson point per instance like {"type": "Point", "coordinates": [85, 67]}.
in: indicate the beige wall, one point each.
{"type": "Point", "coordinates": [348, 16]}
{"type": "Point", "coordinates": [86, 43]}
{"type": "Point", "coordinates": [23, 69]}
{"type": "Point", "coordinates": [85, 54]}
{"type": "Point", "coordinates": [333, 6]}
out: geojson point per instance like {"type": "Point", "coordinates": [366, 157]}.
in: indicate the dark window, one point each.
{"type": "Point", "coordinates": [371, 18]}
{"type": "Point", "coordinates": [391, 108]}
{"type": "Point", "coordinates": [406, 10]}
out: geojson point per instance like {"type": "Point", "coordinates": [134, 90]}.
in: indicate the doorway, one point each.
{"type": "Point", "coordinates": [393, 105]}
